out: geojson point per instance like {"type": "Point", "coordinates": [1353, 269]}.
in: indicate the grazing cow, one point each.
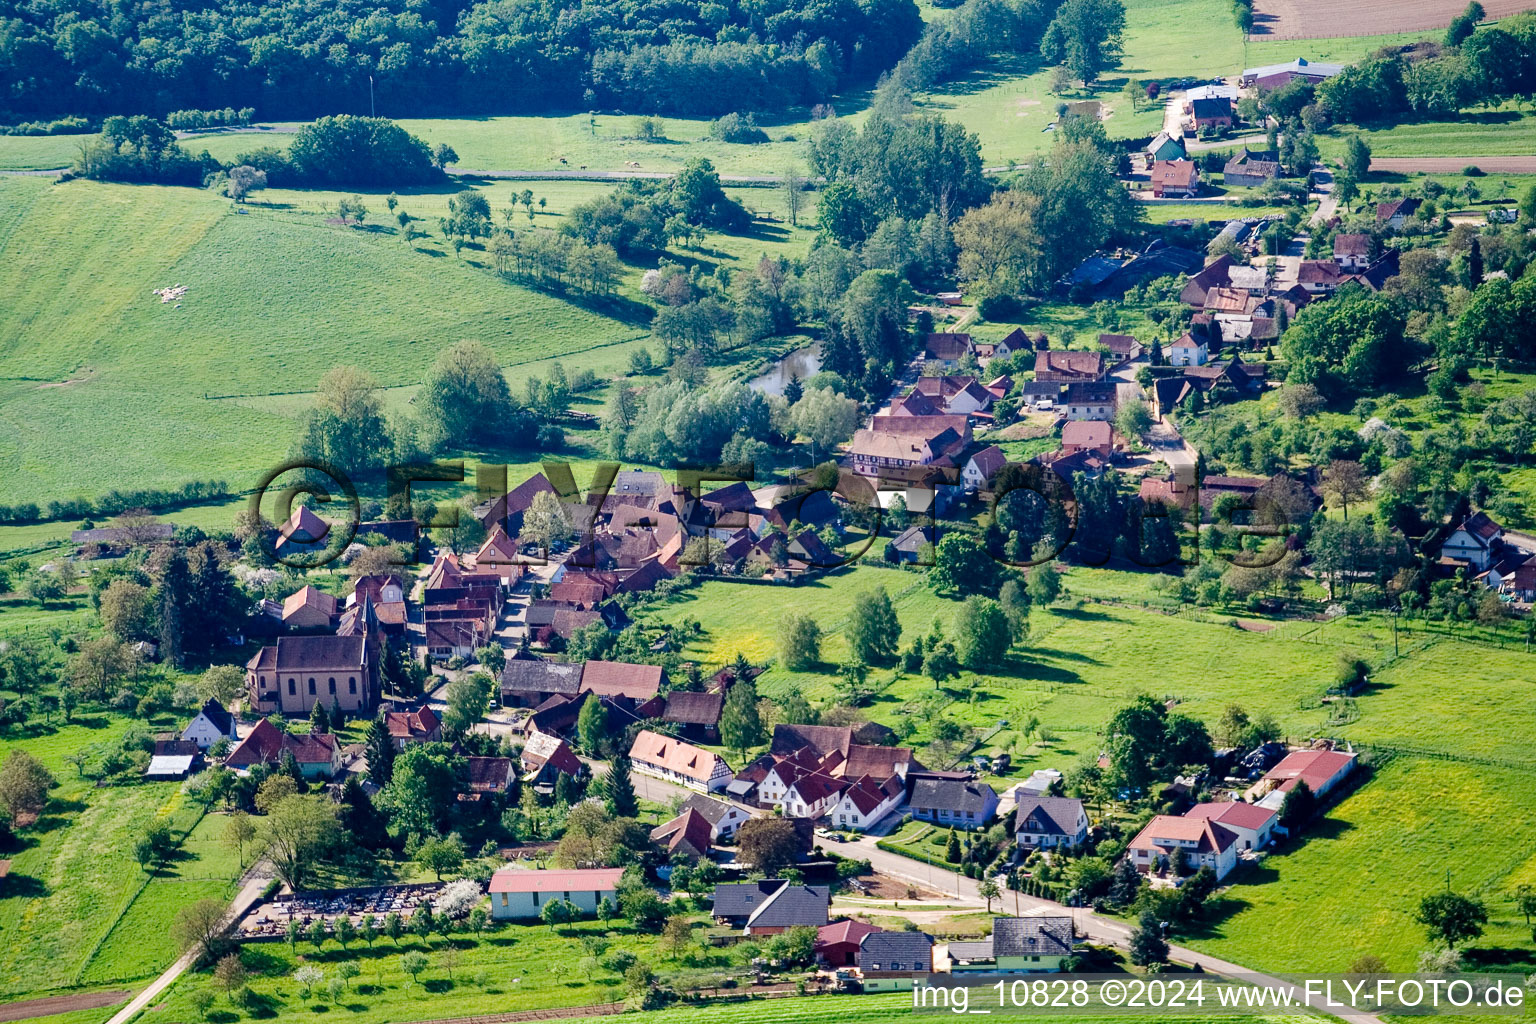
{"type": "Point", "coordinates": [562, 159]}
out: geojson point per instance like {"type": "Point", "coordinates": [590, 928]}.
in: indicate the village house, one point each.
{"type": "Point", "coordinates": [1250, 169]}
{"type": "Point", "coordinates": [303, 531]}
{"type": "Point", "coordinates": [837, 944]}
{"type": "Point", "coordinates": [488, 777]}
{"type": "Point", "coordinates": [676, 761]}
{"type": "Point", "coordinates": [1352, 251]}
{"type": "Point", "coordinates": [981, 467]}
{"type": "Point", "coordinates": [953, 802]}
{"type": "Point", "coordinates": [1164, 148]}
{"type": "Point", "coordinates": [1253, 825]}
{"type": "Point", "coordinates": [1205, 844]}
{"type": "Point", "coordinates": [1122, 349]}
{"type": "Point", "coordinates": [1016, 341]}
{"type": "Point", "coordinates": [1394, 213]}
{"type": "Point", "coordinates": [1475, 541]}
{"type": "Point", "coordinates": [1096, 401]}
{"type": "Point", "coordinates": [519, 894]}
{"type": "Point", "coordinates": [890, 960]}
{"type": "Point", "coordinates": [724, 818]}
{"type": "Point", "coordinates": [686, 836]}
{"type": "Point", "coordinates": [1067, 367]}
{"type": "Point", "coordinates": [318, 754]}
{"type": "Point", "coordinates": [955, 396]}
{"type": "Point", "coordinates": [544, 756]}
{"type": "Point", "coordinates": [866, 802]}
{"type": "Point", "coordinates": [1094, 436]}
{"type": "Point", "coordinates": [946, 349]}
{"type": "Point", "coordinates": [1017, 945]}
{"type": "Point", "coordinates": [1172, 178]}
{"type": "Point", "coordinates": [1319, 277]}
{"type": "Point", "coordinates": [908, 545]}
{"type": "Point", "coordinates": [1188, 350]}
{"type": "Point", "coordinates": [1040, 394]}
{"type": "Point", "coordinates": [407, 727]}
{"type": "Point", "coordinates": [529, 682]}
{"type": "Point", "coordinates": [1047, 821]}
{"type": "Point", "coordinates": [309, 609]}
{"type": "Point", "coordinates": [1216, 274]}
{"type": "Point", "coordinates": [906, 442]}
{"type": "Point", "coordinates": [170, 760]}
{"type": "Point", "coordinates": [695, 716]}
{"type": "Point", "coordinates": [1211, 113]}
{"type": "Point", "coordinates": [210, 725]}
{"type": "Point", "coordinates": [295, 673]}
{"type": "Point", "coordinates": [770, 906]}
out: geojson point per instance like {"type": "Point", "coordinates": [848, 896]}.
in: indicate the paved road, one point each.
{"type": "Point", "coordinates": [1093, 927]}
{"type": "Point", "coordinates": [256, 881]}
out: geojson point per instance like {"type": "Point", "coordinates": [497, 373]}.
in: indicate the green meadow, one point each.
{"type": "Point", "coordinates": [77, 910]}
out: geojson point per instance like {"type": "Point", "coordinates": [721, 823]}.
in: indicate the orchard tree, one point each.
{"type": "Point", "coordinates": [872, 630]}
{"type": "Point", "coordinates": [1452, 917]}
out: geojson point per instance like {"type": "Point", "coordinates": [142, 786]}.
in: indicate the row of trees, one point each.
{"type": "Point", "coordinates": [333, 151]}
{"type": "Point", "coordinates": [303, 59]}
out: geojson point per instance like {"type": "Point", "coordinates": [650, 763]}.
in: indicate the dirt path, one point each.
{"type": "Point", "coordinates": [1303, 19]}
{"type": "Point", "coordinates": [28, 1008]}
{"type": "Point", "coordinates": [1453, 164]}
{"type": "Point", "coordinates": [256, 881]}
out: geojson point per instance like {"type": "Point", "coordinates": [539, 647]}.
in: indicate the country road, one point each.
{"type": "Point", "coordinates": [256, 881]}
{"type": "Point", "coordinates": [1093, 927]}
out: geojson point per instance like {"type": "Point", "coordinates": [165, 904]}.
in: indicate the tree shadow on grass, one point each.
{"type": "Point", "coordinates": [1083, 614]}
{"type": "Point", "coordinates": [25, 887]}
{"type": "Point", "coordinates": [1060, 655]}
{"type": "Point", "coordinates": [260, 960]}
{"type": "Point", "coordinates": [437, 986]}
{"type": "Point", "coordinates": [1500, 956]}
{"type": "Point", "coordinates": [1049, 673]}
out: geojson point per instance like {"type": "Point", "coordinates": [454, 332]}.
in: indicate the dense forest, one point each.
{"type": "Point", "coordinates": [303, 58]}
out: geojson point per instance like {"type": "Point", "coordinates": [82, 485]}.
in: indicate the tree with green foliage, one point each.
{"type": "Point", "coordinates": [423, 790]}
{"type": "Point", "coordinates": [982, 634]}
{"type": "Point", "coordinates": [1086, 36]}
{"type": "Point", "coordinates": [319, 718]}
{"type": "Point", "coordinates": [413, 963]}
{"type": "Point", "coordinates": [1451, 917]}
{"type": "Point", "coordinates": [740, 727]}
{"type": "Point", "coordinates": [468, 698]}
{"type": "Point", "coordinates": [1298, 807]}
{"type": "Point", "coordinates": [799, 642]}
{"type": "Point", "coordinates": [767, 844]}
{"type": "Point", "coordinates": [619, 789]}
{"type": "Point", "coordinates": [1147, 945]}
{"type": "Point", "coordinates": [872, 630]}
{"type": "Point", "coordinates": [1357, 158]}
{"type": "Point", "coordinates": [952, 848]}
{"type": "Point", "coordinates": [379, 751]}
{"type": "Point", "coordinates": [962, 566]}
{"type": "Point", "coordinates": [592, 726]}
{"type": "Point", "coordinates": [438, 854]}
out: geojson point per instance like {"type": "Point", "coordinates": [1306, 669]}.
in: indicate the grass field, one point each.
{"type": "Point", "coordinates": [275, 299]}
{"type": "Point", "coordinates": [76, 909]}
{"type": "Point", "coordinates": [38, 152]}
{"type": "Point", "coordinates": [1353, 886]}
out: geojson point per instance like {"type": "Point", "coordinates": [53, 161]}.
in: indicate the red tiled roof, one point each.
{"type": "Point", "coordinates": [1233, 812]}
{"type": "Point", "coordinates": [621, 679]}
{"type": "Point", "coordinates": [1314, 767]}
{"type": "Point", "coordinates": [408, 725]}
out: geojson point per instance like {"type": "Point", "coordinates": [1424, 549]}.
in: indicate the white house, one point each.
{"type": "Point", "coordinates": [674, 761]}
{"type": "Point", "coordinates": [1188, 351]}
{"type": "Point", "coordinates": [980, 467]}
{"type": "Point", "coordinates": [1254, 825]}
{"type": "Point", "coordinates": [520, 894]}
{"type": "Point", "coordinates": [1044, 821]}
{"type": "Point", "coordinates": [724, 818]}
{"type": "Point", "coordinates": [1205, 844]}
{"type": "Point", "coordinates": [1474, 541]}
{"type": "Point", "coordinates": [866, 802]}
{"type": "Point", "coordinates": [1092, 401]}
{"type": "Point", "coordinates": [210, 725]}
{"type": "Point", "coordinates": [811, 795]}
